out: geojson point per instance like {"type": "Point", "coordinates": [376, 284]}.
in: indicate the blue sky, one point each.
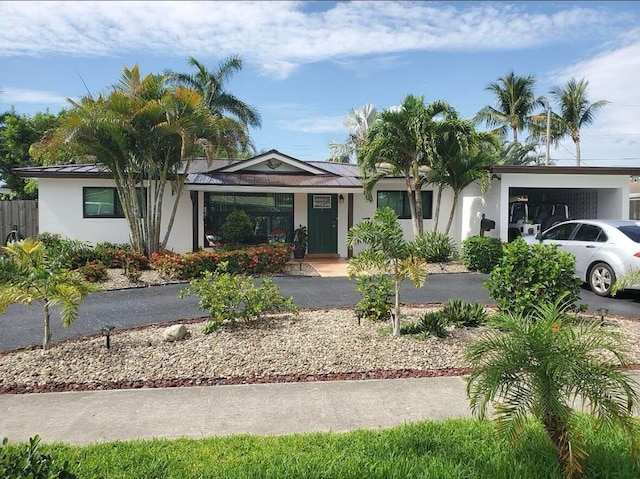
{"type": "Point", "coordinates": [307, 63]}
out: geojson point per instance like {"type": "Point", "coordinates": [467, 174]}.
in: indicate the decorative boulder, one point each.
{"type": "Point", "coordinates": [174, 333]}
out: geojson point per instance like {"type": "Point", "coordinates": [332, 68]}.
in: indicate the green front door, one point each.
{"type": "Point", "coordinates": [323, 223]}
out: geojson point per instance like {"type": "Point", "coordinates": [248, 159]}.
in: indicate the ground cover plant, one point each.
{"type": "Point", "coordinates": [461, 448]}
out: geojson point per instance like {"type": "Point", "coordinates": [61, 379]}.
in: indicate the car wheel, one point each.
{"type": "Point", "coordinates": [601, 279]}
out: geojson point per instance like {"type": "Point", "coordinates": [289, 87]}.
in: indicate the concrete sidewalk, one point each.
{"type": "Point", "coordinates": [262, 409]}
{"type": "Point", "coordinates": [196, 412]}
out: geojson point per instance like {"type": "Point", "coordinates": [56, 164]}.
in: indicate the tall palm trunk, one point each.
{"type": "Point", "coordinates": [438, 202]}
{"type": "Point", "coordinates": [576, 140]}
{"type": "Point", "coordinates": [453, 211]}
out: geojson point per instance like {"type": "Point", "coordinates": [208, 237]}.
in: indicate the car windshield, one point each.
{"type": "Point", "coordinates": [632, 232]}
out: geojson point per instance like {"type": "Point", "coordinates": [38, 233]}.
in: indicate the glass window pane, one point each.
{"type": "Point", "coordinates": [99, 201]}
{"type": "Point", "coordinates": [393, 200]}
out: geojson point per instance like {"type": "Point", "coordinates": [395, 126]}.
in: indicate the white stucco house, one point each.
{"type": "Point", "coordinates": [280, 193]}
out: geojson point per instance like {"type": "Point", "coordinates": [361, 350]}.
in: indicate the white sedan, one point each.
{"type": "Point", "coordinates": [604, 249]}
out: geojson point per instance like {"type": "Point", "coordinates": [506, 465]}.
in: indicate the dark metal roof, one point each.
{"type": "Point", "coordinates": [270, 179]}
{"type": "Point", "coordinates": [568, 170]}
{"type": "Point", "coordinates": [92, 170]}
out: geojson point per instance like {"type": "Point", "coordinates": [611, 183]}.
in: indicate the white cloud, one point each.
{"type": "Point", "coordinates": [19, 95]}
{"type": "Point", "coordinates": [320, 124]}
{"type": "Point", "coordinates": [613, 75]}
{"type": "Point", "coordinates": [279, 36]}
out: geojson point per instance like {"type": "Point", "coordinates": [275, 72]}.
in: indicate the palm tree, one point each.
{"type": "Point", "coordinates": [357, 121]}
{"type": "Point", "coordinates": [211, 84]}
{"type": "Point", "coordinates": [515, 103]}
{"type": "Point", "coordinates": [402, 143]}
{"type": "Point", "coordinates": [388, 253]}
{"type": "Point", "coordinates": [575, 109]}
{"type": "Point", "coordinates": [27, 277]}
{"type": "Point", "coordinates": [540, 365]}
{"type": "Point", "coordinates": [146, 133]}
{"type": "Point", "coordinates": [470, 154]}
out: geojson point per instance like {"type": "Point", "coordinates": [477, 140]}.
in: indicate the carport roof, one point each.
{"type": "Point", "coordinates": [568, 170]}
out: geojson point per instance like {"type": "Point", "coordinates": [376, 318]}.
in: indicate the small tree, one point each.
{"type": "Point", "coordinates": [539, 364]}
{"type": "Point", "coordinates": [26, 277]}
{"type": "Point", "coordinates": [388, 253]}
{"type": "Point", "coordinates": [237, 228]}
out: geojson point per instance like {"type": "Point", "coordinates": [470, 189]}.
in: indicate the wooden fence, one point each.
{"type": "Point", "coordinates": [22, 214]}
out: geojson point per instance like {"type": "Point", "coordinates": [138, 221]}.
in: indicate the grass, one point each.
{"type": "Point", "coordinates": [432, 449]}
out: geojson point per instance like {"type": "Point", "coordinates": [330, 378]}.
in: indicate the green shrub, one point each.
{"type": "Point", "coordinates": [94, 271]}
{"type": "Point", "coordinates": [462, 313]}
{"type": "Point", "coordinates": [25, 461]}
{"type": "Point", "coordinates": [377, 291]}
{"type": "Point", "coordinates": [237, 228]}
{"type": "Point", "coordinates": [434, 247]}
{"type": "Point", "coordinates": [481, 253]}
{"type": "Point", "coordinates": [531, 275]}
{"type": "Point", "coordinates": [112, 254]}
{"type": "Point", "coordinates": [431, 323]}
{"type": "Point", "coordinates": [228, 297]}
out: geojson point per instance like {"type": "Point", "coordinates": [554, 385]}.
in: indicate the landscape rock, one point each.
{"type": "Point", "coordinates": [174, 333]}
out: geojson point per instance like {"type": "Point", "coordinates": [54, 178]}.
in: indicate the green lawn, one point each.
{"type": "Point", "coordinates": [432, 449]}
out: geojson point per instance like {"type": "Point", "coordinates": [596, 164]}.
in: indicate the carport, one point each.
{"type": "Point", "coordinates": [589, 192]}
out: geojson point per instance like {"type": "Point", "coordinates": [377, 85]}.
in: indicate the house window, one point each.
{"type": "Point", "coordinates": [271, 213]}
{"type": "Point", "coordinates": [398, 201]}
{"type": "Point", "coordinates": [103, 202]}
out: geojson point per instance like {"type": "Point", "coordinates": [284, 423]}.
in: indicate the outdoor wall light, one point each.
{"type": "Point", "coordinates": [106, 331]}
{"type": "Point", "coordinates": [341, 198]}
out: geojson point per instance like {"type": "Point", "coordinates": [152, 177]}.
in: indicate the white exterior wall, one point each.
{"type": "Point", "coordinates": [60, 212]}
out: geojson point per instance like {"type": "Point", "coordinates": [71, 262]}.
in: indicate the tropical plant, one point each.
{"type": "Point", "coordinates": [431, 323]}
{"type": "Point", "coordinates": [533, 274]}
{"type": "Point", "coordinates": [466, 159]}
{"type": "Point", "coordinates": [462, 313]}
{"type": "Point", "coordinates": [401, 143]}
{"type": "Point", "coordinates": [211, 85]}
{"type": "Point", "coordinates": [540, 364]}
{"type": "Point", "coordinates": [515, 103]}
{"type": "Point", "coordinates": [300, 238]}
{"type": "Point", "coordinates": [357, 121]}
{"type": "Point", "coordinates": [434, 247]}
{"type": "Point", "coordinates": [27, 277]}
{"type": "Point", "coordinates": [575, 109]}
{"type": "Point", "coordinates": [626, 280]}
{"type": "Point", "coordinates": [387, 253]}
{"type": "Point", "coordinates": [145, 133]}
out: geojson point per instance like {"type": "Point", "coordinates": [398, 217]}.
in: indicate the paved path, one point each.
{"type": "Point", "coordinates": [264, 409]}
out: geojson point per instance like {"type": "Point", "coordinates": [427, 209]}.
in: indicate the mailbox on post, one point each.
{"type": "Point", "coordinates": [486, 225]}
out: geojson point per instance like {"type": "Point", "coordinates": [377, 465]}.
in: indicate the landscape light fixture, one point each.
{"type": "Point", "coordinates": [106, 331]}
{"type": "Point", "coordinates": [602, 312]}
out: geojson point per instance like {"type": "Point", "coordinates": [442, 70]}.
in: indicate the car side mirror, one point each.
{"type": "Point", "coordinates": [539, 236]}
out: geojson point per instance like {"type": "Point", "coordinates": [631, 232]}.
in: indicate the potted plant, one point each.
{"type": "Point", "coordinates": [300, 238]}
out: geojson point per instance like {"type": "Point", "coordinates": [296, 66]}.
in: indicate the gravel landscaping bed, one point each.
{"type": "Point", "coordinates": [324, 344]}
